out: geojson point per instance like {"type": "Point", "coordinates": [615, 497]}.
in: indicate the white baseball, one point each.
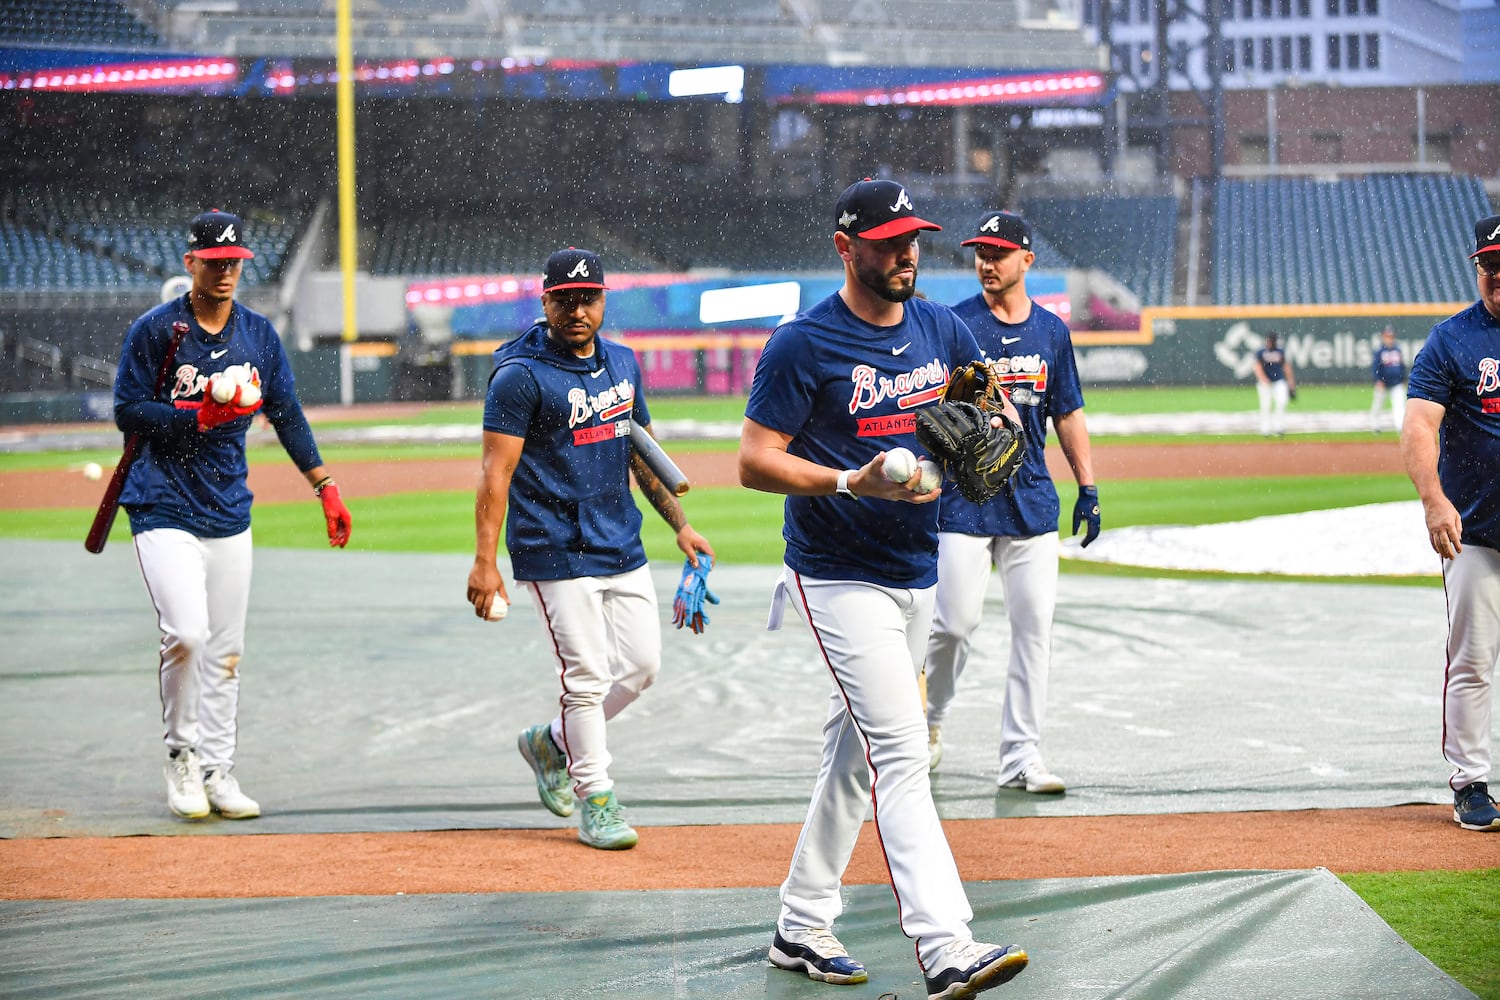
{"type": "Point", "coordinates": [932, 476]}
{"type": "Point", "coordinates": [498, 609]}
{"type": "Point", "coordinates": [900, 465]}
{"type": "Point", "coordinates": [249, 394]}
{"type": "Point", "coordinates": [93, 470]}
{"type": "Point", "coordinates": [221, 387]}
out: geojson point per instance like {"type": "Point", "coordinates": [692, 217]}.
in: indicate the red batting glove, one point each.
{"type": "Point", "coordinates": [336, 514]}
{"type": "Point", "coordinates": [211, 414]}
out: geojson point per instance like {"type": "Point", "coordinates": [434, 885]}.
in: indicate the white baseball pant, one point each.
{"type": "Point", "coordinates": [1471, 580]}
{"type": "Point", "coordinates": [606, 636]}
{"type": "Point", "coordinates": [1028, 576]}
{"type": "Point", "coordinates": [1273, 399]}
{"type": "Point", "coordinates": [201, 590]}
{"type": "Point", "coordinates": [1397, 395]}
{"type": "Point", "coordinates": [874, 750]}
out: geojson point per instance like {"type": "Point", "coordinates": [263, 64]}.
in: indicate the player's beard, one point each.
{"type": "Point", "coordinates": [880, 282]}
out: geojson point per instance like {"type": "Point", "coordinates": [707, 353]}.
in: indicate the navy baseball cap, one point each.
{"type": "Point", "coordinates": [1486, 235]}
{"type": "Point", "coordinates": [1001, 229]}
{"type": "Point", "coordinates": [877, 210]}
{"type": "Point", "coordinates": [573, 268]}
{"type": "Point", "coordinates": [215, 235]}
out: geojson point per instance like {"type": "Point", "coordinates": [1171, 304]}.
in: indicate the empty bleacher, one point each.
{"type": "Point", "coordinates": [55, 239]}
{"type": "Point", "coordinates": [1382, 238]}
{"type": "Point", "coordinates": [106, 23]}
{"type": "Point", "coordinates": [1133, 239]}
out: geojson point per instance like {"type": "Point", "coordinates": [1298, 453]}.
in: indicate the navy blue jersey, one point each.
{"type": "Point", "coordinates": [844, 389]}
{"type": "Point", "coordinates": [190, 479]}
{"type": "Point", "coordinates": [570, 512]}
{"type": "Point", "coordinates": [1388, 365]}
{"type": "Point", "coordinates": [1459, 368]}
{"type": "Point", "coordinates": [1041, 375]}
{"type": "Point", "coordinates": [1273, 362]}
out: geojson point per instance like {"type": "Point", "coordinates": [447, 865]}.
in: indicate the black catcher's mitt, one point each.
{"type": "Point", "coordinates": [957, 433]}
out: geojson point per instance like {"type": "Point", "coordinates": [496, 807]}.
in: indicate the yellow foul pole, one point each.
{"type": "Point", "coordinates": [348, 220]}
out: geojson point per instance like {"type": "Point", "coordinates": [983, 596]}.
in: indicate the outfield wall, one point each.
{"type": "Point", "coordinates": [1216, 345]}
{"type": "Point", "coordinates": [1213, 345]}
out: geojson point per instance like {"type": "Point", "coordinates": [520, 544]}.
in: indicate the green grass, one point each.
{"type": "Point", "coordinates": [1453, 918]}
{"type": "Point", "coordinates": [744, 525]}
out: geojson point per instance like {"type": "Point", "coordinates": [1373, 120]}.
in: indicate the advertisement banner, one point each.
{"type": "Point", "coordinates": [1216, 345]}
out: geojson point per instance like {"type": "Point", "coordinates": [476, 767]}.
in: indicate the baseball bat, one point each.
{"type": "Point", "coordinates": [104, 517]}
{"type": "Point", "coordinates": [660, 462]}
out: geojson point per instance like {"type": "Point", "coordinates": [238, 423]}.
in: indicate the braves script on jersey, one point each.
{"type": "Point", "coordinates": [1036, 366]}
{"type": "Point", "coordinates": [571, 513]}
{"type": "Point", "coordinates": [191, 480]}
{"type": "Point", "coordinates": [1459, 368]}
{"type": "Point", "coordinates": [844, 390]}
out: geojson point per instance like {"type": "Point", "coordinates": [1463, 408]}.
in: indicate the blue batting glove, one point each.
{"type": "Point", "coordinates": [687, 606]}
{"type": "Point", "coordinates": [1087, 509]}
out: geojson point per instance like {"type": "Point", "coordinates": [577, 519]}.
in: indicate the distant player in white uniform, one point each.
{"type": "Point", "coordinates": [835, 389]}
{"type": "Point", "coordinates": [189, 506]}
{"type": "Point", "coordinates": [1275, 385]}
{"type": "Point", "coordinates": [556, 474]}
{"type": "Point", "coordinates": [1016, 532]}
{"type": "Point", "coordinates": [1388, 366]}
{"type": "Point", "coordinates": [1451, 446]}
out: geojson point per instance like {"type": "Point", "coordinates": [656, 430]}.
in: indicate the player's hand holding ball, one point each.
{"type": "Point", "coordinates": [901, 465]}
{"type": "Point", "coordinates": [231, 394]}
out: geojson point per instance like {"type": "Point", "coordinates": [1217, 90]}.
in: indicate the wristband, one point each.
{"type": "Point", "coordinates": [842, 489]}
{"type": "Point", "coordinates": [318, 486]}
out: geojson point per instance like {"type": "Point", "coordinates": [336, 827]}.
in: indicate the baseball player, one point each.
{"type": "Point", "coordinates": [557, 459]}
{"type": "Point", "coordinates": [1450, 443]}
{"type": "Point", "coordinates": [835, 389]}
{"type": "Point", "coordinates": [1275, 386]}
{"type": "Point", "coordinates": [1016, 532]}
{"type": "Point", "coordinates": [189, 506]}
{"type": "Point", "coordinates": [1388, 366]}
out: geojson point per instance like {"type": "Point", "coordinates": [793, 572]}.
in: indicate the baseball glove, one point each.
{"type": "Point", "coordinates": [976, 383]}
{"type": "Point", "coordinates": [978, 457]}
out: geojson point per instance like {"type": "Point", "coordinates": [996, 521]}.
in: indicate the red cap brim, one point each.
{"type": "Point", "coordinates": [577, 284]}
{"type": "Point", "coordinates": [898, 227]}
{"type": "Point", "coordinates": [1492, 247]}
{"type": "Point", "coordinates": [993, 241]}
{"type": "Point", "coordinates": [219, 253]}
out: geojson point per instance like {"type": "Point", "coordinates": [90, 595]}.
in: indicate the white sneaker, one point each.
{"type": "Point", "coordinates": [934, 746]}
{"type": "Point", "coordinates": [1037, 780]}
{"type": "Point", "coordinates": [967, 968]}
{"type": "Point", "coordinates": [185, 795]}
{"type": "Point", "coordinates": [224, 795]}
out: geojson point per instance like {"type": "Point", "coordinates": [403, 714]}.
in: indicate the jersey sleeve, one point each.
{"type": "Point", "coordinates": [511, 400]}
{"type": "Point", "coordinates": [1429, 372]}
{"type": "Point", "coordinates": [137, 410]}
{"type": "Point", "coordinates": [782, 392]}
{"type": "Point", "coordinates": [1065, 389]}
{"type": "Point", "coordinates": [282, 408]}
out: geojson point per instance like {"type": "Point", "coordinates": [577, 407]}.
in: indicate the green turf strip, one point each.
{"type": "Point", "coordinates": [1453, 918]}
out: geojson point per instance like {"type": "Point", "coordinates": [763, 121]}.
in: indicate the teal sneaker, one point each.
{"type": "Point", "coordinates": [602, 826]}
{"type": "Point", "coordinates": [551, 767]}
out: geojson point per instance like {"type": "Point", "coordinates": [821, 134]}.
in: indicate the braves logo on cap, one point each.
{"type": "Point", "coordinates": [573, 268]}
{"type": "Point", "coordinates": [1486, 231]}
{"type": "Point", "coordinates": [215, 235]}
{"type": "Point", "coordinates": [1001, 229]}
{"type": "Point", "coordinates": [878, 210]}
